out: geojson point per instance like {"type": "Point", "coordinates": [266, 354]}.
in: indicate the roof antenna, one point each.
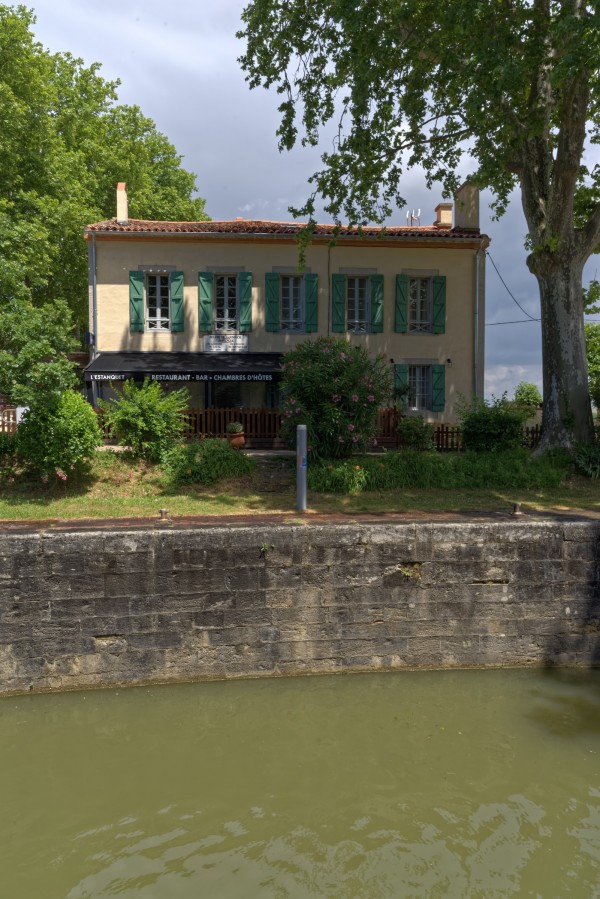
{"type": "Point", "coordinates": [412, 218]}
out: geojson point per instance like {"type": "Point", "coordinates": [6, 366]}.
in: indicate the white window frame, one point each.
{"type": "Point", "coordinates": [420, 305]}
{"type": "Point", "coordinates": [354, 323]}
{"type": "Point", "coordinates": [292, 322]}
{"type": "Point", "coordinates": [161, 319]}
{"type": "Point", "coordinates": [222, 325]}
{"type": "Point", "coordinates": [420, 387]}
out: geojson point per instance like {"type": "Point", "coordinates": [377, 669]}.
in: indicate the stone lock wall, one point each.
{"type": "Point", "coordinates": [95, 608]}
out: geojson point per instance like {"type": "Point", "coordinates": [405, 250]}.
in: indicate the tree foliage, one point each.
{"type": "Point", "coordinates": [513, 85]}
{"type": "Point", "coordinates": [64, 144]}
{"type": "Point", "coordinates": [34, 347]}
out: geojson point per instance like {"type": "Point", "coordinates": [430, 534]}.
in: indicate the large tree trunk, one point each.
{"type": "Point", "coordinates": [567, 414]}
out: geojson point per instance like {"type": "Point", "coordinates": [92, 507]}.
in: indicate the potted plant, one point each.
{"type": "Point", "coordinates": [235, 433]}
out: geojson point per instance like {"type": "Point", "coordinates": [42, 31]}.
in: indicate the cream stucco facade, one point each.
{"type": "Point", "coordinates": [225, 253]}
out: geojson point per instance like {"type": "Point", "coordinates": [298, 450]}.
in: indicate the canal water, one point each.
{"type": "Point", "coordinates": [410, 784]}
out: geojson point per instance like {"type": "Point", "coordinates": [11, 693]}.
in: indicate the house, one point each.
{"type": "Point", "coordinates": [213, 305]}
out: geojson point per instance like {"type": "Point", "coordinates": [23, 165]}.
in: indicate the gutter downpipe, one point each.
{"type": "Point", "coordinates": [94, 318]}
{"type": "Point", "coordinates": [476, 321]}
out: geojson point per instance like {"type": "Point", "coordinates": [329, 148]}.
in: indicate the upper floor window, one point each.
{"type": "Point", "coordinates": [225, 302]}
{"type": "Point", "coordinates": [292, 305]}
{"type": "Point", "coordinates": [158, 314]}
{"type": "Point", "coordinates": [420, 311]}
{"type": "Point", "coordinates": [156, 301]}
{"type": "Point", "coordinates": [358, 319]}
{"type": "Point", "coordinates": [420, 306]}
{"type": "Point", "coordinates": [357, 303]}
{"type": "Point", "coordinates": [291, 302]}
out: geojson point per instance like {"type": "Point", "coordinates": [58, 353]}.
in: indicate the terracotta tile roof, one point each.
{"type": "Point", "coordinates": [277, 229]}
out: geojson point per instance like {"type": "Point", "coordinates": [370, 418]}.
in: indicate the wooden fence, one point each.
{"type": "Point", "coordinates": [261, 427]}
{"type": "Point", "coordinates": [8, 419]}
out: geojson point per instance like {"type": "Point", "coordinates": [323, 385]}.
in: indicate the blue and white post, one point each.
{"type": "Point", "coordinates": [301, 449]}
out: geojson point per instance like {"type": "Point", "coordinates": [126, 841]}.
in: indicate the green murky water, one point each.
{"type": "Point", "coordinates": [429, 784]}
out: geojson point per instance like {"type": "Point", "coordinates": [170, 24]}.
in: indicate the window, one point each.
{"type": "Point", "coordinates": [226, 303]}
{"type": "Point", "coordinates": [357, 299]}
{"type": "Point", "coordinates": [291, 302]}
{"type": "Point", "coordinates": [420, 312]}
{"type": "Point", "coordinates": [156, 301]}
{"type": "Point", "coordinates": [357, 303]}
{"type": "Point", "coordinates": [292, 306]}
{"type": "Point", "coordinates": [420, 304]}
{"type": "Point", "coordinates": [421, 386]}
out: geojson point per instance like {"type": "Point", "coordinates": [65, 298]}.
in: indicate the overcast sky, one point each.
{"type": "Point", "coordinates": [177, 61]}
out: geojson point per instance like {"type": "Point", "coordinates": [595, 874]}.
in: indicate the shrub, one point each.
{"type": "Point", "coordinates": [146, 418]}
{"type": "Point", "coordinates": [204, 461]}
{"type": "Point", "coordinates": [415, 433]}
{"type": "Point", "coordinates": [335, 389]}
{"type": "Point", "coordinates": [492, 427]}
{"type": "Point", "coordinates": [61, 439]}
{"type": "Point", "coordinates": [514, 469]}
{"type": "Point", "coordinates": [587, 459]}
{"type": "Point", "coordinates": [8, 450]}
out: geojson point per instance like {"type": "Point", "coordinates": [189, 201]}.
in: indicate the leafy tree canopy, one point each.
{"type": "Point", "coordinates": [64, 145]}
{"type": "Point", "coordinates": [34, 347]}
{"type": "Point", "coordinates": [513, 85]}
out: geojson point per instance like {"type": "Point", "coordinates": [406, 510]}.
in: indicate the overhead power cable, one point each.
{"type": "Point", "coordinates": [513, 298]}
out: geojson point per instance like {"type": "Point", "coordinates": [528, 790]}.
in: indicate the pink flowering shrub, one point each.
{"type": "Point", "coordinates": [335, 390]}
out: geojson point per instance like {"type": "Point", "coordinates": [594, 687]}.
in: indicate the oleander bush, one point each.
{"type": "Point", "coordinates": [335, 389]}
{"type": "Point", "coordinates": [414, 469]}
{"type": "Point", "coordinates": [146, 418]}
{"type": "Point", "coordinates": [204, 461]}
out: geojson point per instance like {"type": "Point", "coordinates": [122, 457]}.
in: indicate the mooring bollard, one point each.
{"type": "Point", "coordinates": [301, 449]}
{"type": "Point", "coordinates": [516, 512]}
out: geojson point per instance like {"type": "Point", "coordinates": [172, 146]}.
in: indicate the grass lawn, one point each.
{"type": "Point", "coordinates": [120, 488]}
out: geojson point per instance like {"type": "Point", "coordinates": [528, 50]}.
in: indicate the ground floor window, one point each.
{"type": "Point", "coordinates": [419, 387]}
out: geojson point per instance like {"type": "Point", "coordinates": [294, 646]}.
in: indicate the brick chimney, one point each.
{"type": "Point", "coordinates": [443, 215]}
{"type": "Point", "coordinates": [467, 207]}
{"type": "Point", "coordinates": [122, 211]}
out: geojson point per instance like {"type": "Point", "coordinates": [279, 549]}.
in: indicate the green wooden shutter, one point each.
{"type": "Point", "coordinates": [272, 280]}
{"type": "Point", "coordinates": [376, 304]}
{"type": "Point", "coordinates": [205, 305]}
{"type": "Point", "coordinates": [311, 303]}
{"type": "Point", "coordinates": [338, 303]}
{"type": "Point", "coordinates": [401, 382]}
{"type": "Point", "coordinates": [176, 300]}
{"type": "Point", "coordinates": [245, 290]}
{"type": "Point", "coordinates": [438, 384]}
{"type": "Point", "coordinates": [439, 304]}
{"type": "Point", "coordinates": [136, 301]}
{"type": "Point", "coordinates": [401, 310]}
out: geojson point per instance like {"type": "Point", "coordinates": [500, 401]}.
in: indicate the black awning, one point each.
{"type": "Point", "coordinates": [185, 367]}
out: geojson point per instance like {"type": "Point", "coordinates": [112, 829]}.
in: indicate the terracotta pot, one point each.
{"type": "Point", "coordinates": [237, 440]}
